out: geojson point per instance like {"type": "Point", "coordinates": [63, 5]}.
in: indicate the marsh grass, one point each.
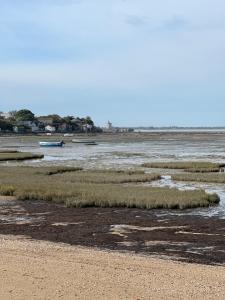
{"type": "Point", "coordinates": [7, 190]}
{"type": "Point", "coordinates": [207, 177]}
{"type": "Point", "coordinates": [190, 166]}
{"type": "Point", "coordinates": [58, 170]}
{"type": "Point", "coordinates": [8, 151]}
{"type": "Point", "coordinates": [101, 188]}
{"type": "Point", "coordinates": [15, 155]}
{"type": "Point", "coordinates": [101, 176]}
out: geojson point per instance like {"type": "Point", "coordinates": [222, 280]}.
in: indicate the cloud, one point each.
{"type": "Point", "coordinates": [144, 47]}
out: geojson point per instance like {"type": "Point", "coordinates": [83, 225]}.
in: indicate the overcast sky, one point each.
{"type": "Point", "coordinates": [133, 62]}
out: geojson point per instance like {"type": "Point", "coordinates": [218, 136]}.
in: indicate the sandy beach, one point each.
{"type": "Point", "coordinates": [43, 270]}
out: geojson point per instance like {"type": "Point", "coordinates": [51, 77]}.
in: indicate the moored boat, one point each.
{"type": "Point", "coordinates": [85, 142]}
{"type": "Point", "coordinates": [51, 144]}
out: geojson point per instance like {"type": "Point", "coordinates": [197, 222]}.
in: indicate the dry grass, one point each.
{"type": "Point", "coordinates": [14, 155]}
{"type": "Point", "coordinates": [102, 176]}
{"type": "Point", "coordinates": [7, 190]}
{"type": "Point", "coordinates": [8, 151]}
{"type": "Point", "coordinates": [207, 177]}
{"type": "Point", "coordinates": [58, 170]}
{"type": "Point", "coordinates": [190, 166]}
{"type": "Point", "coordinates": [103, 188]}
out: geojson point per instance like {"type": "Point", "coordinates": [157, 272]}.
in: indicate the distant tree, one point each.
{"type": "Point", "coordinates": [5, 125]}
{"type": "Point", "coordinates": [24, 115]}
{"type": "Point", "coordinates": [68, 119]}
{"type": "Point", "coordinates": [56, 119]}
{"type": "Point", "coordinates": [89, 121]}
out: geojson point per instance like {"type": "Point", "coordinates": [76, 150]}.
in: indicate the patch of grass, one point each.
{"type": "Point", "coordinates": [119, 171]}
{"type": "Point", "coordinates": [103, 176]}
{"type": "Point", "coordinates": [8, 151]}
{"type": "Point", "coordinates": [190, 166]}
{"type": "Point", "coordinates": [207, 177]}
{"type": "Point", "coordinates": [58, 170]}
{"type": "Point", "coordinates": [7, 190]}
{"type": "Point", "coordinates": [109, 195]}
{"type": "Point", "coordinates": [6, 156]}
{"type": "Point", "coordinates": [97, 188]}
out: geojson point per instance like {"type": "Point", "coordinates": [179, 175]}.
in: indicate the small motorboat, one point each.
{"type": "Point", "coordinates": [51, 144]}
{"type": "Point", "coordinates": [85, 142]}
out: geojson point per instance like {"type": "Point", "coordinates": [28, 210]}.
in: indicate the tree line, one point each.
{"type": "Point", "coordinates": [25, 117]}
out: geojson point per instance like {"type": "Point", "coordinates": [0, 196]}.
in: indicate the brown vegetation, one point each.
{"type": "Point", "coordinates": [82, 188]}
{"type": "Point", "coordinates": [207, 177]}
{"type": "Point", "coordinates": [190, 166]}
{"type": "Point", "coordinates": [15, 155]}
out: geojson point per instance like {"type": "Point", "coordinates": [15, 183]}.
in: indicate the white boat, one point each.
{"type": "Point", "coordinates": [51, 144]}
{"type": "Point", "coordinates": [85, 142]}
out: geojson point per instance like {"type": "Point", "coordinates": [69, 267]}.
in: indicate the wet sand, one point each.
{"type": "Point", "coordinates": [185, 238]}
{"type": "Point", "coordinates": [43, 270]}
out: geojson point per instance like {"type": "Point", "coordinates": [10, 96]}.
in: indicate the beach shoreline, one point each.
{"type": "Point", "coordinates": [44, 270]}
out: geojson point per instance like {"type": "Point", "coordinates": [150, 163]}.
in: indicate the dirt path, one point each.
{"type": "Point", "coordinates": [43, 270]}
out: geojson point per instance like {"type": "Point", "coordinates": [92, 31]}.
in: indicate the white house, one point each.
{"type": "Point", "coordinates": [32, 125]}
{"type": "Point", "coordinates": [50, 128]}
{"type": "Point", "coordinates": [5, 115]}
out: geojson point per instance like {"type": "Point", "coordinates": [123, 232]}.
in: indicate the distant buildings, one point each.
{"type": "Point", "coordinates": [5, 115]}
{"type": "Point", "coordinates": [50, 128]}
{"type": "Point", "coordinates": [24, 121]}
{"type": "Point", "coordinates": [109, 126]}
{"type": "Point", "coordinates": [111, 129]}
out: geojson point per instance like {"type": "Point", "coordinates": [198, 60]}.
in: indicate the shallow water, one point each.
{"type": "Point", "coordinates": [119, 154]}
{"type": "Point", "coordinates": [133, 154]}
{"type": "Point", "coordinates": [216, 211]}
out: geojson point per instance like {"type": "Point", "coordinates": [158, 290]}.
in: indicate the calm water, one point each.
{"type": "Point", "coordinates": [131, 155]}
{"type": "Point", "coordinates": [123, 154]}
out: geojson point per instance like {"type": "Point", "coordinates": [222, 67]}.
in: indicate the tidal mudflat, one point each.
{"type": "Point", "coordinates": [186, 238]}
{"type": "Point", "coordinates": [115, 169]}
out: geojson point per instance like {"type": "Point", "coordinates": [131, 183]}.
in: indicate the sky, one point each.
{"type": "Point", "coordinates": [133, 62]}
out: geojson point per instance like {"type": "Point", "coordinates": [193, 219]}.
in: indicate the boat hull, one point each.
{"type": "Point", "coordinates": [51, 144]}
{"type": "Point", "coordinates": [85, 142]}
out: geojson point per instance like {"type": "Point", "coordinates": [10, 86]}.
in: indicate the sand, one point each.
{"type": "Point", "coordinates": [43, 270]}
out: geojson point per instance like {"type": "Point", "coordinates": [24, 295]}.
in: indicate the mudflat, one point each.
{"type": "Point", "coordinates": [44, 270]}
{"type": "Point", "coordinates": [186, 238]}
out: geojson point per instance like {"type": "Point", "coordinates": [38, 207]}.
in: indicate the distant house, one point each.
{"type": "Point", "coordinates": [34, 126]}
{"type": "Point", "coordinates": [21, 129]}
{"type": "Point", "coordinates": [87, 127]}
{"type": "Point", "coordinates": [64, 127]}
{"type": "Point", "coordinates": [45, 120]}
{"type": "Point", "coordinates": [5, 115]}
{"type": "Point", "coordinates": [50, 128]}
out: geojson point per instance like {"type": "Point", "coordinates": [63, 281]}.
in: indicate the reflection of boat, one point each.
{"type": "Point", "coordinates": [85, 142]}
{"type": "Point", "coordinates": [51, 144]}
